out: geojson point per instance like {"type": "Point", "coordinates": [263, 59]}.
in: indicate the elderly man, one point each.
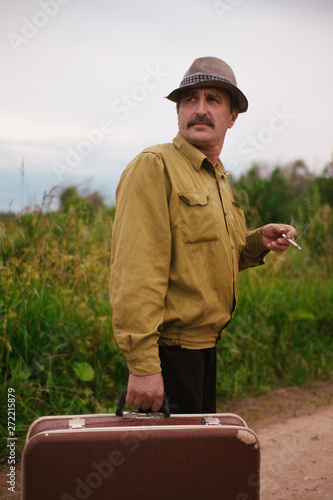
{"type": "Point", "coordinates": [179, 241]}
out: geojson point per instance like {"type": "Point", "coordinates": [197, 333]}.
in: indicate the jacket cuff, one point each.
{"type": "Point", "coordinates": [254, 242]}
{"type": "Point", "coordinates": [254, 253]}
{"type": "Point", "coordinates": [146, 362]}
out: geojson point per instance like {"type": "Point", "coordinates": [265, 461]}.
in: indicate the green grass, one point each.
{"type": "Point", "coordinates": [282, 331]}
{"type": "Point", "coordinates": [56, 344]}
{"type": "Point", "coordinates": [55, 315]}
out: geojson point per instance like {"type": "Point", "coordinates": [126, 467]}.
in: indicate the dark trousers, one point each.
{"type": "Point", "coordinates": [189, 379]}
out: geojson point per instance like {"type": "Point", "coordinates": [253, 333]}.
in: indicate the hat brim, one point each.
{"type": "Point", "coordinates": [238, 94]}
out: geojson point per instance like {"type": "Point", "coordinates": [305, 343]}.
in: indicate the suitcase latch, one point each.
{"type": "Point", "coordinates": [77, 423]}
{"type": "Point", "coordinates": [211, 421]}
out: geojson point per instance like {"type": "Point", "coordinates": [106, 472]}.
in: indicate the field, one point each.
{"type": "Point", "coordinates": [57, 350]}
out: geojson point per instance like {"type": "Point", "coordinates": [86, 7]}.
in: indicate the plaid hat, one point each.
{"type": "Point", "coordinates": [210, 72]}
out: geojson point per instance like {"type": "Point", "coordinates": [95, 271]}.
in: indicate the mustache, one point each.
{"type": "Point", "coordinates": [200, 119]}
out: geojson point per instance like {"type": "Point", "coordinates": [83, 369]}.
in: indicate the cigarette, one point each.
{"type": "Point", "coordinates": [291, 241]}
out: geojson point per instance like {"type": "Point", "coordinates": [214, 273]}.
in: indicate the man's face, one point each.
{"type": "Point", "coordinates": [204, 117]}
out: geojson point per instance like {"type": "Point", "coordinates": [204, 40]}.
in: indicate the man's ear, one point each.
{"type": "Point", "coordinates": [233, 118]}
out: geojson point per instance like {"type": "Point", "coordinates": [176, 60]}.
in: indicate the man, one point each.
{"type": "Point", "coordinates": [178, 243]}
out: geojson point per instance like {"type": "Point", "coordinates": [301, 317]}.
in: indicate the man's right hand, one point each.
{"type": "Point", "coordinates": [145, 391]}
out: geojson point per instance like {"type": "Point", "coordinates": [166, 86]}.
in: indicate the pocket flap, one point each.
{"type": "Point", "coordinates": [193, 199]}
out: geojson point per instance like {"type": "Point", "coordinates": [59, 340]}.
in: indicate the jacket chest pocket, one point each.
{"type": "Point", "coordinates": [198, 220]}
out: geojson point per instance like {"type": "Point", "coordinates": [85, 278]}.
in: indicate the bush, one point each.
{"type": "Point", "coordinates": [55, 314]}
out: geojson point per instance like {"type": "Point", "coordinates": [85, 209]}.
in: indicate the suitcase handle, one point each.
{"type": "Point", "coordinates": [164, 408]}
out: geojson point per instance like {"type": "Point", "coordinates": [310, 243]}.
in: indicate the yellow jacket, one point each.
{"type": "Point", "coordinates": [178, 242]}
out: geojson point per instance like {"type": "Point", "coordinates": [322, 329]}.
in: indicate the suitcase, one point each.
{"type": "Point", "coordinates": [146, 456]}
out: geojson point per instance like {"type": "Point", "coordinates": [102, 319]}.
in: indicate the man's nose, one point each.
{"type": "Point", "coordinates": [201, 106]}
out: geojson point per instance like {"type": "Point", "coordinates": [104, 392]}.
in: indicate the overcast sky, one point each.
{"type": "Point", "coordinates": [83, 83]}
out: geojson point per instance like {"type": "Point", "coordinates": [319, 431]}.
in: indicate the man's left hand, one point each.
{"type": "Point", "coordinates": [272, 237]}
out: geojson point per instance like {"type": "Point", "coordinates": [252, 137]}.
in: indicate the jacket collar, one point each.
{"type": "Point", "coordinates": [193, 154]}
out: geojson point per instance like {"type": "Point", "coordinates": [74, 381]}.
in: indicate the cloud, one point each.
{"type": "Point", "coordinates": [92, 61]}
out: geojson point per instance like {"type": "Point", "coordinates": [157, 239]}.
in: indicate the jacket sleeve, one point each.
{"type": "Point", "coordinates": [140, 261]}
{"type": "Point", "coordinates": [254, 251]}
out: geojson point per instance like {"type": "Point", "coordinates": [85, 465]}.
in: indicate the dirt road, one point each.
{"type": "Point", "coordinates": [297, 458]}
{"type": "Point", "coordinates": [295, 430]}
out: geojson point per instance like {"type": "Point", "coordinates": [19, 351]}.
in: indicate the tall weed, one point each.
{"type": "Point", "coordinates": [56, 344]}
{"type": "Point", "coordinates": [282, 331]}
{"type": "Point", "coordinates": [55, 314]}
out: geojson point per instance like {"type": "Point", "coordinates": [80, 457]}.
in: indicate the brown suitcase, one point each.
{"type": "Point", "coordinates": [141, 456]}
